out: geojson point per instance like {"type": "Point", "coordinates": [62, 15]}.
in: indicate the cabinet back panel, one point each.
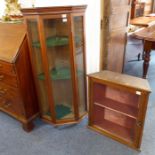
{"type": "Point", "coordinates": [101, 92]}
{"type": "Point", "coordinates": [122, 96]}
{"type": "Point", "coordinates": [101, 114]}
{"type": "Point", "coordinates": [114, 123]}
{"type": "Point", "coordinates": [119, 119]}
{"type": "Point", "coordinates": [98, 92]}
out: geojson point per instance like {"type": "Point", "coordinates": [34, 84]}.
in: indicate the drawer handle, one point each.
{"type": "Point", "coordinates": [7, 104]}
{"type": "Point", "coordinates": [3, 91]}
{"type": "Point", "coordinates": [1, 77]}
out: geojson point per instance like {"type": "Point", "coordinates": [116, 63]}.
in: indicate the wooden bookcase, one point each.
{"type": "Point", "coordinates": [118, 106]}
{"type": "Point", "coordinates": [56, 40]}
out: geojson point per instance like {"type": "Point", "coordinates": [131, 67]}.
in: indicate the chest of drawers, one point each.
{"type": "Point", "coordinates": [17, 91]}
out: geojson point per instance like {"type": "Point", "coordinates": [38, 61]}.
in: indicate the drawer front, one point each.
{"type": "Point", "coordinates": [8, 79]}
{"type": "Point", "coordinates": [11, 101]}
{"type": "Point", "coordinates": [7, 68]}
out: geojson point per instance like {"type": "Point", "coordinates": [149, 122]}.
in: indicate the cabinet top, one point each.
{"type": "Point", "coordinates": [122, 79]}
{"type": "Point", "coordinates": [11, 38]}
{"type": "Point", "coordinates": [53, 10]}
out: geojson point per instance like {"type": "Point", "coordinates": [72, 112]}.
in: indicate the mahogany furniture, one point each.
{"type": "Point", "coordinates": [117, 106]}
{"type": "Point", "coordinates": [149, 6]}
{"type": "Point", "coordinates": [148, 37]}
{"type": "Point", "coordinates": [143, 21]}
{"type": "Point", "coordinates": [114, 22]}
{"type": "Point", "coordinates": [56, 40]}
{"type": "Point", "coordinates": [137, 9]}
{"type": "Point", "coordinates": [17, 92]}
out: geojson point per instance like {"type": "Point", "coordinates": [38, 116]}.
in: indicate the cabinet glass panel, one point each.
{"type": "Point", "coordinates": [79, 55]}
{"type": "Point", "coordinates": [37, 63]}
{"type": "Point", "coordinates": [115, 111]}
{"type": "Point", "coordinates": [58, 52]}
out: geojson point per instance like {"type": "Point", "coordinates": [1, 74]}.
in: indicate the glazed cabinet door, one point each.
{"type": "Point", "coordinates": [116, 112]}
{"type": "Point", "coordinates": [37, 65]}
{"type": "Point", "coordinates": [79, 56]}
{"type": "Point", "coordinates": [56, 42]}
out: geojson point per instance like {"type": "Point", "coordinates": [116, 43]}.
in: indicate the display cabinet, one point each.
{"type": "Point", "coordinates": [56, 40]}
{"type": "Point", "coordinates": [118, 106]}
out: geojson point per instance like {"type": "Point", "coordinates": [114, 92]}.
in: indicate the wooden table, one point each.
{"type": "Point", "coordinates": [148, 37]}
{"type": "Point", "coordinates": [143, 21]}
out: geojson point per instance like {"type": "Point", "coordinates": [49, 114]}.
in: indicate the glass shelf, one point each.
{"type": "Point", "coordinates": [58, 74]}
{"type": "Point", "coordinates": [61, 111]}
{"type": "Point", "coordinates": [56, 41]}
{"type": "Point", "coordinates": [53, 41]}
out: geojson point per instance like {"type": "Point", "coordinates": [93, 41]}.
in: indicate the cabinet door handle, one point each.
{"type": "Point", "coordinates": [139, 123]}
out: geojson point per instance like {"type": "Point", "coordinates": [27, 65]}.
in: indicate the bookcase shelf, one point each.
{"type": "Point", "coordinates": [58, 74]}
{"type": "Point", "coordinates": [119, 107]}
{"type": "Point", "coordinates": [114, 122]}
{"type": "Point", "coordinates": [53, 41]}
{"type": "Point", "coordinates": [62, 111]}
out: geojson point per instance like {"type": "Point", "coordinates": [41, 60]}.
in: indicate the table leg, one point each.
{"type": "Point", "coordinates": [147, 50]}
{"type": "Point", "coordinates": [143, 50]}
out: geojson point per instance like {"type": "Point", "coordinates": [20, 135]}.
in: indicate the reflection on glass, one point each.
{"type": "Point", "coordinates": [78, 34]}
{"type": "Point", "coordinates": [115, 111]}
{"type": "Point", "coordinates": [58, 52]}
{"type": "Point", "coordinates": [37, 63]}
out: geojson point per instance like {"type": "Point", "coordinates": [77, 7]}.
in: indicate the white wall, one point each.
{"type": "Point", "coordinates": [2, 5]}
{"type": "Point", "coordinates": [92, 25]}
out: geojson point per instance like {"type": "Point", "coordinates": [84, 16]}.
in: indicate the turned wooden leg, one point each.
{"type": "Point", "coordinates": [147, 50]}
{"type": "Point", "coordinates": [28, 126]}
{"type": "Point", "coordinates": [143, 54]}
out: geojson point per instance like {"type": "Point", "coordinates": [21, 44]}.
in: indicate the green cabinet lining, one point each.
{"type": "Point", "coordinates": [58, 74]}
{"type": "Point", "coordinates": [61, 111]}
{"type": "Point", "coordinates": [53, 41]}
